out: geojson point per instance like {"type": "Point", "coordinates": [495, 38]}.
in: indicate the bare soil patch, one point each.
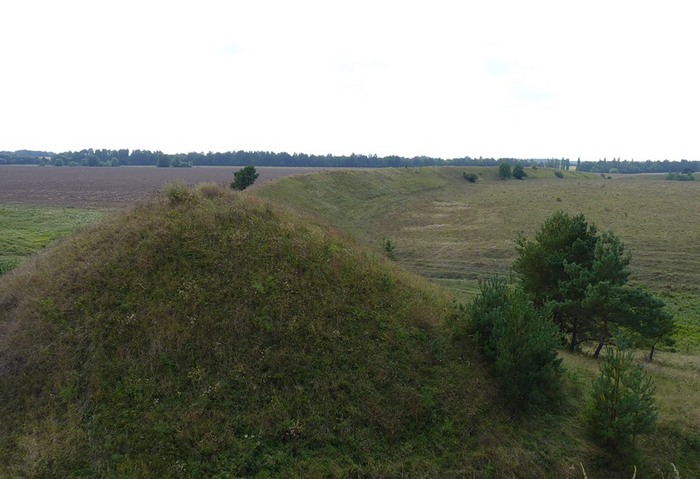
{"type": "Point", "coordinates": [88, 187]}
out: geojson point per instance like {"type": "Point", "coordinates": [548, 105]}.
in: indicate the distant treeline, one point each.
{"type": "Point", "coordinates": [105, 157]}
{"type": "Point", "coordinates": [628, 166]}
{"type": "Point", "coordinates": [24, 157]}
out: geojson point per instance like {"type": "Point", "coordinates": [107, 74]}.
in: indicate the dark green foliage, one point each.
{"type": "Point", "coordinates": [519, 172]}
{"type": "Point", "coordinates": [521, 342]}
{"type": "Point", "coordinates": [558, 174]}
{"type": "Point", "coordinates": [470, 177]}
{"type": "Point", "coordinates": [646, 316]}
{"type": "Point", "coordinates": [163, 161]}
{"type": "Point", "coordinates": [7, 264]}
{"type": "Point", "coordinates": [244, 178]}
{"type": "Point", "coordinates": [581, 275]}
{"type": "Point", "coordinates": [504, 171]}
{"type": "Point", "coordinates": [680, 177]}
{"type": "Point", "coordinates": [561, 241]}
{"type": "Point", "coordinates": [484, 311]}
{"type": "Point", "coordinates": [622, 402]}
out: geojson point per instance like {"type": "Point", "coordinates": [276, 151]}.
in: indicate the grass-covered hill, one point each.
{"type": "Point", "coordinates": [208, 334]}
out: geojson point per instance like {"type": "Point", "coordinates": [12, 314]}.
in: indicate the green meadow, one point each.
{"type": "Point", "coordinates": [25, 230]}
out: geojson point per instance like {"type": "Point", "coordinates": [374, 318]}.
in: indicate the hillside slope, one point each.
{"type": "Point", "coordinates": [458, 232]}
{"type": "Point", "coordinates": [206, 334]}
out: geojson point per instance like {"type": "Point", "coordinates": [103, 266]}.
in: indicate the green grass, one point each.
{"type": "Point", "coordinates": [458, 233]}
{"type": "Point", "coordinates": [25, 230]}
{"type": "Point", "coordinates": [208, 334]}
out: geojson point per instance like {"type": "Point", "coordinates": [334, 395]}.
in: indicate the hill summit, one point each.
{"type": "Point", "coordinates": [205, 333]}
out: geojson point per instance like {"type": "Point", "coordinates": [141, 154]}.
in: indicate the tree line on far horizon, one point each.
{"type": "Point", "coordinates": [126, 157]}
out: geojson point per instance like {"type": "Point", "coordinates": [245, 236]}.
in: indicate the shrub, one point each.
{"type": "Point", "coordinates": [622, 402]}
{"type": "Point", "coordinates": [470, 177]}
{"type": "Point", "coordinates": [211, 190]}
{"type": "Point", "coordinates": [244, 178]}
{"type": "Point", "coordinates": [178, 193]}
{"type": "Point", "coordinates": [7, 264]}
{"type": "Point", "coordinates": [558, 174]}
{"type": "Point", "coordinates": [504, 171]}
{"type": "Point", "coordinates": [519, 172]}
{"type": "Point", "coordinates": [521, 341]}
{"type": "Point", "coordinates": [389, 249]}
{"type": "Point", "coordinates": [680, 177]}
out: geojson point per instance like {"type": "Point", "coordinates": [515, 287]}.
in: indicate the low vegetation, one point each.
{"type": "Point", "coordinates": [680, 176]}
{"type": "Point", "coordinates": [26, 230]}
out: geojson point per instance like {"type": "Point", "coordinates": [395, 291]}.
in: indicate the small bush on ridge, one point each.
{"type": "Point", "coordinates": [244, 178]}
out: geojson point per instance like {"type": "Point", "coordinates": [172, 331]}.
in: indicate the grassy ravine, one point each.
{"type": "Point", "coordinates": [25, 230]}
{"type": "Point", "coordinates": [208, 334]}
{"type": "Point", "coordinates": [457, 233]}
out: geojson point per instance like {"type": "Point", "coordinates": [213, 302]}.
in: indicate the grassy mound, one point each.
{"type": "Point", "coordinates": [206, 334]}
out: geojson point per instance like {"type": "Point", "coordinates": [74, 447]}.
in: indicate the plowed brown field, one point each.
{"type": "Point", "coordinates": [110, 187]}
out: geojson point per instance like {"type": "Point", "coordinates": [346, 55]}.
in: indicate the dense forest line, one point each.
{"type": "Point", "coordinates": [630, 166]}
{"type": "Point", "coordinates": [107, 157]}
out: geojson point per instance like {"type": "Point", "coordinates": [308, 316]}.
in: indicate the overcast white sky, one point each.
{"type": "Point", "coordinates": [508, 78]}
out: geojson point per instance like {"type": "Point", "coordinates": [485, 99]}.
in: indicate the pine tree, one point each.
{"type": "Point", "coordinates": [622, 402]}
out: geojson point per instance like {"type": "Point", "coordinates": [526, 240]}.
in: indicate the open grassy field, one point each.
{"type": "Point", "coordinates": [457, 232]}
{"type": "Point", "coordinates": [24, 230]}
